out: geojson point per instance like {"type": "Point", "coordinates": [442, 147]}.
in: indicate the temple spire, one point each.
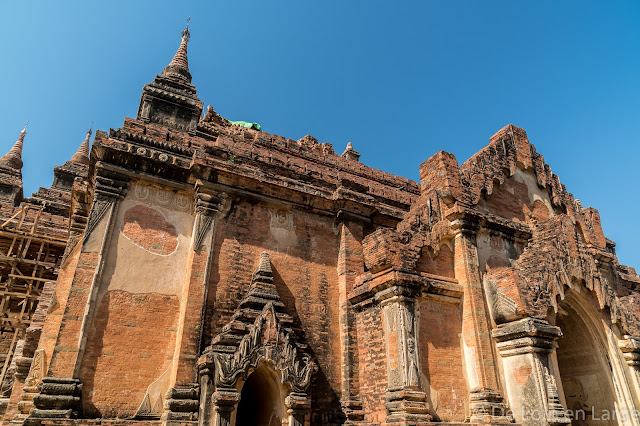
{"type": "Point", "coordinates": [180, 58]}
{"type": "Point", "coordinates": [82, 155]}
{"type": "Point", "coordinates": [171, 100]}
{"type": "Point", "coordinates": [13, 158]}
{"type": "Point", "coordinates": [179, 65]}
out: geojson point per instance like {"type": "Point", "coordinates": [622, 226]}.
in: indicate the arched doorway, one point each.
{"type": "Point", "coordinates": [260, 399]}
{"type": "Point", "coordinates": [585, 369]}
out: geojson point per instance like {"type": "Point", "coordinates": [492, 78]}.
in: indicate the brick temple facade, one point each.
{"type": "Point", "coordinates": [218, 275]}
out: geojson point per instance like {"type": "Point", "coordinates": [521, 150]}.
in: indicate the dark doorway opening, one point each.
{"type": "Point", "coordinates": [260, 400]}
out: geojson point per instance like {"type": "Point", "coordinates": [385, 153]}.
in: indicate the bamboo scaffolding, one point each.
{"type": "Point", "coordinates": [28, 259]}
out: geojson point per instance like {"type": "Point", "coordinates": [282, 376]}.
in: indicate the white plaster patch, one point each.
{"type": "Point", "coordinates": [534, 191]}
{"type": "Point", "coordinates": [470, 365]}
{"type": "Point", "coordinates": [282, 227]}
{"type": "Point", "coordinates": [131, 268]}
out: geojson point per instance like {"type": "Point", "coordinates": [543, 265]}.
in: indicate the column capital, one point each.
{"type": "Point", "coordinates": [630, 347]}
{"type": "Point", "coordinates": [388, 283]}
{"type": "Point", "coordinates": [526, 335]}
{"type": "Point", "coordinates": [208, 204]}
{"type": "Point", "coordinates": [224, 396]}
{"type": "Point", "coordinates": [396, 293]}
{"type": "Point", "coordinates": [208, 200]}
{"type": "Point", "coordinates": [225, 400]}
{"type": "Point", "coordinates": [298, 406]}
{"type": "Point", "coordinates": [464, 226]}
{"type": "Point", "coordinates": [109, 183]}
{"type": "Point", "coordinates": [297, 401]}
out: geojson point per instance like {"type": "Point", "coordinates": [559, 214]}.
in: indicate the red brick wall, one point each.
{"type": "Point", "coordinates": [130, 344]}
{"type": "Point", "coordinates": [373, 363]}
{"type": "Point", "coordinates": [436, 264]}
{"type": "Point", "coordinates": [53, 320]}
{"type": "Point", "coordinates": [441, 354]}
{"type": "Point", "coordinates": [147, 228]}
{"type": "Point", "coordinates": [63, 361]}
{"type": "Point", "coordinates": [305, 275]}
{"type": "Point", "coordinates": [509, 200]}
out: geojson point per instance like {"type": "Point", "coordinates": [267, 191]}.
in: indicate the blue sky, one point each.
{"type": "Point", "coordinates": [400, 80]}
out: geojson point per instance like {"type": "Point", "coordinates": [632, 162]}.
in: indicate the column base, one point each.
{"type": "Point", "coordinates": [298, 406]}
{"type": "Point", "coordinates": [181, 404]}
{"type": "Point", "coordinates": [487, 406]}
{"type": "Point", "coordinates": [407, 407]}
{"type": "Point", "coordinates": [59, 398]}
{"type": "Point", "coordinates": [353, 410]}
{"type": "Point", "coordinates": [26, 404]}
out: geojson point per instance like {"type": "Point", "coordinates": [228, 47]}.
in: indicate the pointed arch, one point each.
{"type": "Point", "coordinates": [593, 378]}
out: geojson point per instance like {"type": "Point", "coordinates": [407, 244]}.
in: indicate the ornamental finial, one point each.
{"type": "Point", "coordinates": [185, 32]}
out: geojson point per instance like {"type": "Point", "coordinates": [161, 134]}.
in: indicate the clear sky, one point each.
{"type": "Point", "coordinates": [400, 80]}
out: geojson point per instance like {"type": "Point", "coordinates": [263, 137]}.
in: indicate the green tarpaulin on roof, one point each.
{"type": "Point", "coordinates": [247, 125]}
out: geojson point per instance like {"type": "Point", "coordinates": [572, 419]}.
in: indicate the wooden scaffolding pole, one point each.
{"type": "Point", "coordinates": [28, 259]}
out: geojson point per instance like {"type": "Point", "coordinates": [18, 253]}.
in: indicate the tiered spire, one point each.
{"type": "Point", "coordinates": [179, 65]}
{"type": "Point", "coordinates": [180, 58]}
{"type": "Point", "coordinates": [13, 158]}
{"type": "Point", "coordinates": [82, 155]}
{"type": "Point", "coordinates": [171, 100]}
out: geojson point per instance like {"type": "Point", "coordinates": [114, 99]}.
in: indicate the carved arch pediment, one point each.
{"type": "Point", "coordinates": [259, 331]}
{"type": "Point", "coordinates": [267, 341]}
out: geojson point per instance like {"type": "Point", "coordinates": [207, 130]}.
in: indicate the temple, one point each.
{"type": "Point", "coordinates": [184, 270]}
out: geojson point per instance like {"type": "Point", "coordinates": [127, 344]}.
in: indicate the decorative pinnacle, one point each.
{"type": "Point", "coordinates": [185, 32]}
{"type": "Point", "coordinates": [180, 59]}
{"type": "Point", "coordinates": [265, 264]}
{"type": "Point", "coordinates": [350, 153]}
{"type": "Point", "coordinates": [82, 155]}
{"type": "Point", "coordinates": [13, 158]}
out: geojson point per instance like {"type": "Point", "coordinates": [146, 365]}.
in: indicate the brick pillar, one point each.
{"type": "Point", "coordinates": [59, 394]}
{"type": "Point", "coordinates": [484, 398]}
{"type": "Point", "coordinates": [630, 347]}
{"type": "Point", "coordinates": [405, 401]}
{"type": "Point", "coordinates": [350, 264]}
{"type": "Point", "coordinates": [207, 387]}
{"type": "Point", "coordinates": [298, 407]}
{"type": "Point", "coordinates": [526, 346]}
{"type": "Point", "coordinates": [182, 399]}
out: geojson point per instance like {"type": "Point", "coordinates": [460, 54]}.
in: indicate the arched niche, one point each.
{"type": "Point", "coordinates": [266, 368]}
{"type": "Point", "coordinates": [257, 356]}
